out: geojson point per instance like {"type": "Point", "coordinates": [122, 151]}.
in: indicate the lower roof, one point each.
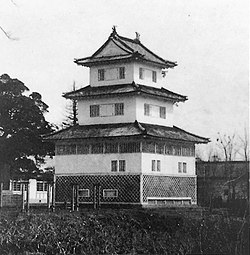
{"type": "Point", "coordinates": [134, 129]}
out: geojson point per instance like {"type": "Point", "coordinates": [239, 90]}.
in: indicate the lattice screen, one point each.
{"type": "Point", "coordinates": [128, 187]}
{"type": "Point", "coordinates": [168, 186]}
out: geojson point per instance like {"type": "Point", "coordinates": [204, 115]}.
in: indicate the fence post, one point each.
{"type": "Point", "coordinates": [1, 195]}
{"type": "Point", "coordinates": [27, 197]}
{"type": "Point", "coordinates": [23, 194]}
{"type": "Point", "coordinates": [54, 195]}
{"type": "Point", "coordinates": [73, 198]}
{"type": "Point", "coordinates": [48, 196]}
{"type": "Point", "coordinates": [77, 197]}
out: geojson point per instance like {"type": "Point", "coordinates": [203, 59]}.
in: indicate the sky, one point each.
{"type": "Point", "coordinates": [209, 40]}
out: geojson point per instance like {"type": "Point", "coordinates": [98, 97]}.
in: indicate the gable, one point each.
{"type": "Point", "coordinates": [111, 49]}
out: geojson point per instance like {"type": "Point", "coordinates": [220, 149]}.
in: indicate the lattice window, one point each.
{"type": "Point", "coordinates": [121, 72]}
{"type": "Point", "coordinates": [148, 147]}
{"type": "Point", "coordinates": [160, 148]}
{"type": "Point", "coordinates": [101, 74]}
{"type": "Point", "coordinates": [97, 148]}
{"type": "Point", "coordinates": [111, 147]}
{"type": "Point", "coordinates": [158, 166]}
{"type": "Point", "coordinates": [83, 193]}
{"type": "Point", "coordinates": [82, 148]}
{"type": "Point", "coordinates": [168, 149]}
{"type": "Point", "coordinates": [179, 167]}
{"type": "Point", "coordinates": [129, 147]}
{"type": "Point", "coordinates": [153, 166]}
{"type": "Point", "coordinates": [94, 110]}
{"type": "Point", "coordinates": [41, 186]}
{"type": "Point", "coordinates": [110, 193]}
{"type": "Point", "coordinates": [163, 112]}
{"type": "Point", "coordinates": [177, 150]}
{"type": "Point", "coordinates": [122, 165]}
{"type": "Point", "coordinates": [119, 109]}
{"type": "Point", "coordinates": [114, 166]}
{"type": "Point", "coordinates": [141, 73]}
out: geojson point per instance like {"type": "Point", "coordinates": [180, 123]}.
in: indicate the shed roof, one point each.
{"type": "Point", "coordinates": [134, 129]}
{"type": "Point", "coordinates": [129, 49]}
{"type": "Point", "coordinates": [123, 89]}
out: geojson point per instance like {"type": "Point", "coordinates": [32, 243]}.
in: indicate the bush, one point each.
{"type": "Point", "coordinates": [120, 232]}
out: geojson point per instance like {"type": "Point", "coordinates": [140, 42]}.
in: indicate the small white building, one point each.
{"type": "Point", "coordinates": [38, 190]}
{"type": "Point", "coordinates": [126, 142]}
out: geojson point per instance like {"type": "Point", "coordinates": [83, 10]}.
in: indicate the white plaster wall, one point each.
{"type": "Point", "coordinates": [169, 164]}
{"type": "Point", "coordinates": [93, 74]}
{"type": "Point", "coordinates": [140, 101]}
{"type": "Point", "coordinates": [96, 163]}
{"type": "Point", "coordinates": [129, 111]}
{"type": "Point", "coordinates": [148, 75]}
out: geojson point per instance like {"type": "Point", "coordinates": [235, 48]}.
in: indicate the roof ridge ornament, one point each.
{"type": "Point", "coordinates": [113, 31]}
{"type": "Point", "coordinates": [137, 37]}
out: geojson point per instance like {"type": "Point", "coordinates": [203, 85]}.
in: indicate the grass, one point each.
{"type": "Point", "coordinates": [131, 231]}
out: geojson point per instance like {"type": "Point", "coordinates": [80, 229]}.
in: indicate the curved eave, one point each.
{"type": "Point", "coordinates": [89, 62]}
{"type": "Point", "coordinates": [124, 94]}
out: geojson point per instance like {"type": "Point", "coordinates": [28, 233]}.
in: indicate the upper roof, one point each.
{"type": "Point", "coordinates": [123, 89]}
{"type": "Point", "coordinates": [134, 129]}
{"type": "Point", "coordinates": [118, 48]}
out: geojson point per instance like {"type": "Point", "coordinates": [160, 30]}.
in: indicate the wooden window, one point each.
{"type": "Point", "coordinates": [70, 149]}
{"type": "Point", "coordinates": [82, 148]}
{"type": "Point", "coordinates": [111, 147]}
{"type": "Point", "coordinates": [146, 109]}
{"type": "Point", "coordinates": [94, 110]}
{"type": "Point", "coordinates": [158, 166]}
{"type": "Point", "coordinates": [83, 193]}
{"type": "Point", "coordinates": [122, 165]}
{"type": "Point", "coordinates": [160, 148]}
{"type": "Point", "coordinates": [148, 147]}
{"type": "Point", "coordinates": [110, 193]}
{"type": "Point", "coordinates": [119, 109]}
{"type": "Point", "coordinates": [16, 186]}
{"type": "Point", "coordinates": [41, 186]}
{"type": "Point", "coordinates": [154, 76]}
{"type": "Point", "coordinates": [162, 112]}
{"type": "Point", "coordinates": [153, 165]}
{"type": "Point", "coordinates": [129, 147]}
{"type": "Point", "coordinates": [121, 72]}
{"type": "Point", "coordinates": [114, 166]}
{"type": "Point", "coordinates": [177, 150]}
{"type": "Point", "coordinates": [179, 167]}
{"type": "Point", "coordinates": [97, 148]}
{"type": "Point", "coordinates": [141, 73]}
{"type": "Point", "coordinates": [101, 74]}
{"type": "Point", "coordinates": [168, 150]}
{"type": "Point", "coordinates": [60, 149]}
{"type": "Point", "coordinates": [184, 167]}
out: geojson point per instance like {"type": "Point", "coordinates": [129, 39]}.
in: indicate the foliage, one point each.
{"type": "Point", "coordinates": [120, 232]}
{"type": "Point", "coordinates": [22, 123]}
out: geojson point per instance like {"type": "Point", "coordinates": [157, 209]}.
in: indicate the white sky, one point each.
{"type": "Point", "coordinates": [208, 39]}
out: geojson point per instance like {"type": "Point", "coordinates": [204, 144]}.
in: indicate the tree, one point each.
{"type": "Point", "coordinates": [22, 124]}
{"type": "Point", "coordinates": [71, 118]}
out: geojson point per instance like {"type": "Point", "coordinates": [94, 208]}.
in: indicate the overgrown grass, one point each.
{"type": "Point", "coordinates": [121, 232]}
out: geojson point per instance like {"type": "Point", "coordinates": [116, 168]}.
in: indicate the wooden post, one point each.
{"type": "Point", "coordinates": [27, 197]}
{"type": "Point", "coordinates": [23, 194]}
{"type": "Point", "coordinates": [73, 198]}
{"type": "Point", "coordinates": [48, 196]}
{"type": "Point", "coordinates": [54, 195]}
{"type": "Point", "coordinates": [1, 195]}
{"type": "Point", "coordinates": [77, 197]}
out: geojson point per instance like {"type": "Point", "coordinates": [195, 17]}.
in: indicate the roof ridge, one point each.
{"type": "Point", "coordinates": [143, 46]}
{"type": "Point", "coordinates": [131, 50]}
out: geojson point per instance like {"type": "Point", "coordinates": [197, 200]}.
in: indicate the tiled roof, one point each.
{"type": "Point", "coordinates": [125, 130]}
{"type": "Point", "coordinates": [133, 50]}
{"type": "Point", "coordinates": [88, 92]}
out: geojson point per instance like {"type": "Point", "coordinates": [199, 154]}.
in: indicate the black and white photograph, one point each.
{"type": "Point", "coordinates": [124, 127]}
